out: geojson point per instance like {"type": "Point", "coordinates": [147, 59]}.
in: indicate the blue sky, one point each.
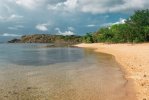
{"type": "Point", "coordinates": [65, 17]}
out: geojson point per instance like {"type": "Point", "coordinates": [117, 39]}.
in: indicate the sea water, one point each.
{"type": "Point", "coordinates": [32, 72]}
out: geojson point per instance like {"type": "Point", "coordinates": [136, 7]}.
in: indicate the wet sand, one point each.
{"type": "Point", "coordinates": [87, 79]}
{"type": "Point", "coordinates": [134, 59]}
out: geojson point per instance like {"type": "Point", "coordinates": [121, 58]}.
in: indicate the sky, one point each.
{"type": "Point", "coordinates": [64, 17]}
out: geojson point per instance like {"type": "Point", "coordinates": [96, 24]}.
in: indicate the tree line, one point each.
{"type": "Point", "coordinates": [134, 30]}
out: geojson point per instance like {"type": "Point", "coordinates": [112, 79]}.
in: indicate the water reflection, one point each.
{"type": "Point", "coordinates": [29, 54]}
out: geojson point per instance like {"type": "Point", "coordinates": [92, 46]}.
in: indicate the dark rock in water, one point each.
{"type": "Point", "coordinates": [28, 88]}
{"type": "Point", "coordinates": [48, 46]}
{"type": "Point", "coordinates": [9, 92]}
{"type": "Point", "coordinates": [15, 93]}
{"type": "Point", "coordinates": [6, 96]}
{"type": "Point", "coordinates": [57, 45]}
{"type": "Point", "coordinates": [14, 41]}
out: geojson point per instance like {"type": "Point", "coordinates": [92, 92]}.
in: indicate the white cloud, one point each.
{"type": "Point", "coordinates": [67, 5]}
{"type": "Point", "coordinates": [26, 3]}
{"type": "Point", "coordinates": [10, 35]}
{"type": "Point", "coordinates": [71, 4]}
{"type": "Point", "coordinates": [121, 21]}
{"type": "Point", "coordinates": [105, 6]}
{"type": "Point", "coordinates": [90, 25]}
{"type": "Point", "coordinates": [29, 4]}
{"type": "Point", "coordinates": [67, 33]}
{"type": "Point", "coordinates": [64, 33]}
{"type": "Point", "coordinates": [100, 6]}
{"type": "Point", "coordinates": [42, 27]}
{"type": "Point", "coordinates": [12, 17]}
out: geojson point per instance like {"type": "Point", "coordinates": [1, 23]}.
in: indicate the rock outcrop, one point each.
{"type": "Point", "coordinates": [46, 38]}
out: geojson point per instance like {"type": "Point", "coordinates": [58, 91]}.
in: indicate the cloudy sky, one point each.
{"type": "Point", "coordinates": [66, 17]}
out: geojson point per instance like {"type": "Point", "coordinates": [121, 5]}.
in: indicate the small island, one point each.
{"type": "Point", "coordinates": [56, 40]}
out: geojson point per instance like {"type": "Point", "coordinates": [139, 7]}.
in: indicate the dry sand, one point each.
{"type": "Point", "coordinates": [135, 61]}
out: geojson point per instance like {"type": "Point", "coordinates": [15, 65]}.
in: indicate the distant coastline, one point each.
{"type": "Point", "coordinates": [57, 40]}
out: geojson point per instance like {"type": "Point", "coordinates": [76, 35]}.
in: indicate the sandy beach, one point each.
{"type": "Point", "coordinates": [134, 60]}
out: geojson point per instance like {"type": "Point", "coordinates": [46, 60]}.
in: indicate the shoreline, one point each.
{"type": "Point", "coordinates": [134, 61]}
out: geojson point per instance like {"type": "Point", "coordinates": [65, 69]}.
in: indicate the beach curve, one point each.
{"type": "Point", "coordinates": [134, 59]}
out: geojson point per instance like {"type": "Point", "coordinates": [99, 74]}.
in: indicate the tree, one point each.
{"type": "Point", "coordinates": [140, 22]}
{"type": "Point", "coordinates": [146, 30]}
{"type": "Point", "coordinates": [88, 38]}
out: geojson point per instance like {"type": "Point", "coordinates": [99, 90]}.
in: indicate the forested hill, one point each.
{"type": "Point", "coordinates": [134, 30]}
{"type": "Point", "coordinates": [46, 38]}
